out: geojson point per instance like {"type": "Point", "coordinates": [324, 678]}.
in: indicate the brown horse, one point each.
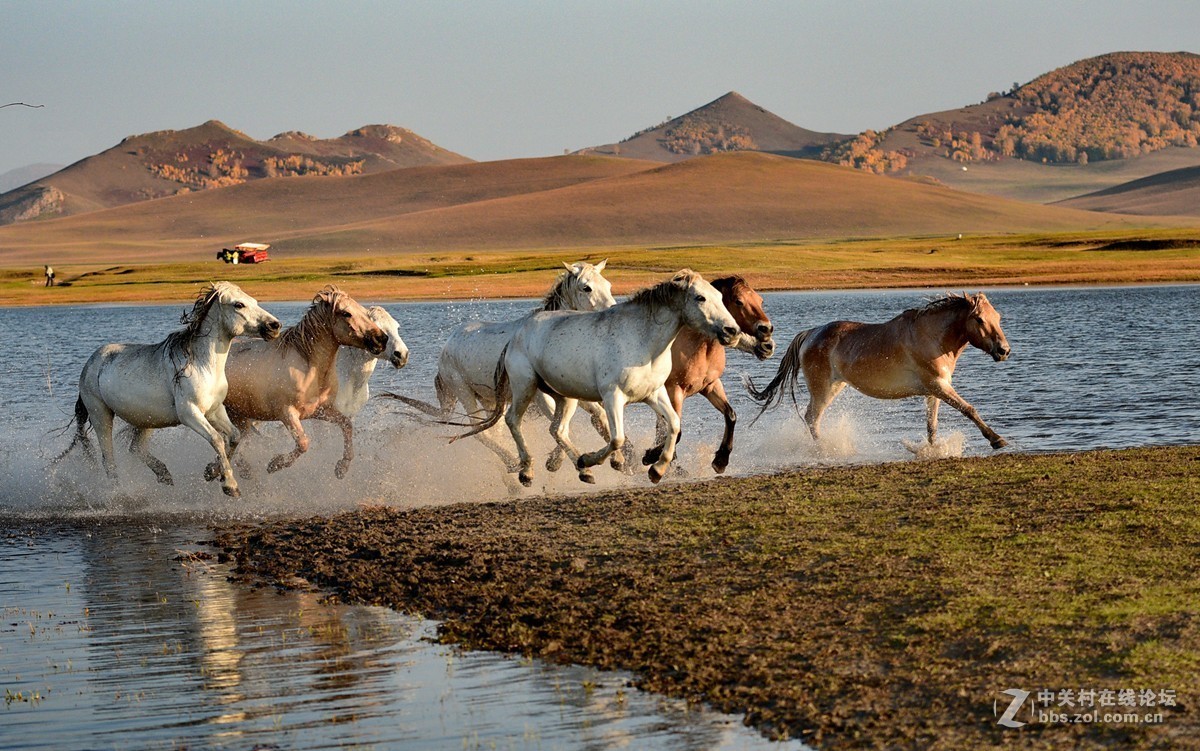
{"type": "Point", "coordinates": [294, 377]}
{"type": "Point", "coordinates": [697, 362]}
{"type": "Point", "coordinates": [913, 354]}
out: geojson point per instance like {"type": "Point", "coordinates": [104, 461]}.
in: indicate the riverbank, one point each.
{"type": "Point", "coordinates": [1144, 257]}
{"type": "Point", "coordinates": [880, 606]}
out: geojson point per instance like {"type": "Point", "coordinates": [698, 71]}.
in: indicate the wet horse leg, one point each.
{"type": "Point", "coordinates": [139, 448]}
{"type": "Point", "coordinates": [467, 398]}
{"type": "Point", "coordinates": [931, 417]}
{"type": "Point", "coordinates": [328, 413]}
{"type": "Point", "coordinates": [821, 394]}
{"type": "Point", "coordinates": [715, 394]}
{"type": "Point", "coordinates": [676, 395]}
{"type": "Point", "coordinates": [614, 409]}
{"type": "Point", "coordinates": [946, 393]}
{"type": "Point", "coordinates": [191, 416]}
{"type": "Point", "coordinates": [560, 424]}
{"type": "Point", "coordinates": [522, 388]}
{"type": "Point", "coordinates": [291, 421]}
{"type": "Point", "coordinates": [660, 402]}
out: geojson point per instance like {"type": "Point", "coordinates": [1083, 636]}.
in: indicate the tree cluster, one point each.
{"type": "Point", "coordinates": [695, 136]}
{"type": "Point", "coordinates": [864, 152]}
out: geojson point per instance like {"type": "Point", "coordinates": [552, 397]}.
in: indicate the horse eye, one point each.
{"type": "Point", "coordinates": [347, 314]}
{"type": "Point", "coordinates": [239, 305]}
{"type": "Point", "coordinates": [979, 320]}
{"type": "Point", "coordinates": [699, 298]}
{"type": "Point", "coordinates": [586, 288]}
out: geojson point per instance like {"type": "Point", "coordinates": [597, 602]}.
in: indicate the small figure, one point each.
{"type": "Point", "coordinates": [49, 277]}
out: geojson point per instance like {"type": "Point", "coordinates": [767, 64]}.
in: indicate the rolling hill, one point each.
{"type": "Point", "coordinates": [212, 155]}
{"type": "Point", "coordinates": [730, 123]}
{"type": "Point", "coordinates": [1173, 192]}
{"type": "Point", "coordinates": [572, 201]}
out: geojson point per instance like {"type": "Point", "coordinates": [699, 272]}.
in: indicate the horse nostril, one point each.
{"type": "Point", "coordinates": [765, 330]}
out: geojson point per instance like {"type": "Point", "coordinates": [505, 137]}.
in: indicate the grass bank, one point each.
{"type": "Point", "coordinates": [882, 606]}
{"type": "Point", "coordinates": [1151, 256]}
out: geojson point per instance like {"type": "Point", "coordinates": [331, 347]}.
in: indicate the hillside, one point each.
{"type": "Point", "coordinates": [730, 123]}
{"type": "Point", "coordinates": [20, 176]}
{"type": "Point", "coordinates": [1174, 192]}
{"type": "Point", "coordinates": [212, 155]}
{"type": "Point", "coordinates": [1078, 129]}
{"type": "Point", "coordinates": [535, 203]}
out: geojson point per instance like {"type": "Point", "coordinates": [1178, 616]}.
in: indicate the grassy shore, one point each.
{"type": "Point", "coordinates": [881, 606]}
{"type": "Point", "coordinates": [1151, 256]}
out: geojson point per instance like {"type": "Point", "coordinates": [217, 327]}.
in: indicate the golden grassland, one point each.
{"type": "Point", "coordinates": [1167, 255]}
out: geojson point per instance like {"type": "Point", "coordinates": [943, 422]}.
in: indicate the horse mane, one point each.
{"type": "Point", "coordinates": [178, 344]}
{"type": "Point", "coordinates": [669, 294]}
{"type": "Point", "coordinates": [950, 301]}
{"type": "Point", "coordinates": [556, 298]}
{"type": "Point", "coordinates": [733, 282]}
{"type": "Point", "coordinates": [302, 336]}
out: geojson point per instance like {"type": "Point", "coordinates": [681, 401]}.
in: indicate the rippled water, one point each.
{"type": "Point", "coordinates": [125, 647]}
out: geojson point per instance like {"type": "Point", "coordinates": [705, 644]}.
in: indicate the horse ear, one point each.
{"type": "Point", "coordinates": [684, 275]}
{"type": "Point", "coordinates": [568, 267]}
{"type": "Point", "coordinates": [600, 266]}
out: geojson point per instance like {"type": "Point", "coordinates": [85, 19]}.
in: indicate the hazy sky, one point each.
{"type": "Point", "coordinates": [493, 80]}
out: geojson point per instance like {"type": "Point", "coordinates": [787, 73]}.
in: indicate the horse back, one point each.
{"type": "Point", "coordinates": [135, 381]}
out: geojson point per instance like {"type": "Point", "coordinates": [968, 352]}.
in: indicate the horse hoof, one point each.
{"type": "Point", "coordinates": [651, 456]}
{"type": "Point", "coordinates": [720, 462]}
{"type": "Point", "coordinates": [587, 477]}
{"type": "Point", "coordinates": [341, 468]}
{"type": "Point", "coordinates": [526, 479]}
{"type": "Point", "coordinates": [554, 462]}
{"type": "Point", "coordinates": [617, 462]}
{"type": "Point", "coordinates": [999, 443]}
{"type": "Point", "coordinates": [212, 472]}
{"type": "Point", "coordinates": [231, 492]}
{"type": "Point", "coordinates": [655, 475]}
{"type": "Point", "coordinates": [165, 480]}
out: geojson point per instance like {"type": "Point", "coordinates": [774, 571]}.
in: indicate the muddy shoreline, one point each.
{"type": "Point", "coordinates": [879, 606]}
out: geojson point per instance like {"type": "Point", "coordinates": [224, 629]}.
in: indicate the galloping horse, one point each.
{"type": "Point", "coordinates": [467, 365]}
{"type": "Point", "coordinates": [294, 378]}
{"type": "Point", "coordinates": [355, 366]}
{"type": "Point", "coordinates": [913, 354]}
{"type": "Point", "coordinates": [698, 361]}
{"type": "Point", "coordinates": [179, 381]}
{"type": "Point", "coordinates": [615, 356]}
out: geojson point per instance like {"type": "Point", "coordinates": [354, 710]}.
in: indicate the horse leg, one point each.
{"type": "Point", "coordinates": [232, 426]}
{"type": "Point", "coordinates": [101, 418]}
{"type": "Point", "coordinates": [328, 413]}
{"type": "Point", "coordinates": [820, 395]}
{"type": "Point", "coordinates": [614, 410]}
{"type": "Point", "coordinates": [660, 402]}
{"type": "Point", "coordinates": [467, 398]}
{"type": "Point", "coordinates": [291, 421]}
{"type": "Point", "coordinates": [191, 416]}
{"type": "Point", "coordinates": [715, 394]}
{"type": "Point", "coordinates": [522, 390]}
{"type": "Point", "coordinates": [139, 448]}
{"type": "Point", "coordinates": [946, 393]}
{"type": "Point", "coordinates": [931, 410]}
{"type": "Point", "coordinates": [560, 428]}
{"type": "Point", "coordinates": [549, 407]}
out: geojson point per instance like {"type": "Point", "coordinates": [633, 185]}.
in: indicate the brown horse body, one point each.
{"type": "Point", "coordinates": [697, 361]}
{"type": "Point", "coordinates": [914, 354]}
{"type": "Point", "coordinates": [294, 377]}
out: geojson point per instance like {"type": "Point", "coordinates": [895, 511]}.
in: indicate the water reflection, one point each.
{"type": "Point", "coordinates": [129, 640]}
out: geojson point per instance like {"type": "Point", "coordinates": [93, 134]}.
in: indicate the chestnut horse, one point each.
{"type": "Point", "coordinates": [913, 354]}
{"type": "Point", "coordinates": [294, 377]}
{"type": "Point", "coordinates": [698, 361]}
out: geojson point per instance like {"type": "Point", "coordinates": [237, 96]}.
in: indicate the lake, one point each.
{"type": "Point", "coordinates": [118, 631]}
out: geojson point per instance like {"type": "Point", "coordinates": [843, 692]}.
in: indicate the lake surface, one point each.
{"type": "Point", "coordinates": [113, 636]}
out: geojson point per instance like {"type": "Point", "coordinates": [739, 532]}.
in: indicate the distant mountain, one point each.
{"type": "Point", "coordinates": [730, 123]}
{"type": "Point", "coordinates": [1054, 137]}
{"type": "Point", "coordinates": [1174, 192]}
{"type": "Point", "coordinates": [212, 155]}
{"type": "Point", "coordinates": [27, 174]}
{"type": "Point", "coordinates": [560, 202]}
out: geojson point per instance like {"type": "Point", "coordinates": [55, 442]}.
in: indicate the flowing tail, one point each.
{"type": "Point", "coordinates": [789, 372]}
{"type": "Point", "coordinates": [81, 434]}
{"type": "Point", "coordinates": [500, 385]}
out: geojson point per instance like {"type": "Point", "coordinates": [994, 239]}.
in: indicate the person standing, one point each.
{"type": "Point", "coordinates": [49, 276]}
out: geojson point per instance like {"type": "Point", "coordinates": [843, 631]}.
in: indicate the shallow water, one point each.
{"type": "Point", "coordinates": [125, 647]}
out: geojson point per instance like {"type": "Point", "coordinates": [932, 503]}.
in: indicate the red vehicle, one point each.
{"type": "Point", "coordinates": [244, 253]}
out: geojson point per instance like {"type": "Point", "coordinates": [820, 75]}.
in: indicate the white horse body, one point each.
{"type": "Point", "coordinates": [615, 356]}
{"type": "Point", "coordinates": [355, 366]}
{"type": "Point", "coordinates": [179, 381]}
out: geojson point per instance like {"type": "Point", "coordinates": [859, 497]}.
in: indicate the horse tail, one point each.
{"type": "Point", "coordinates": [500, 389]}
{"type": "Point", "coordinates": [81, 434]}
{"type": "Point", "coordinates": [430, 409]}
{"type": "Point", "coordinates": [445, 396]}
{"type": "Point", "coordinates": [788, 372]}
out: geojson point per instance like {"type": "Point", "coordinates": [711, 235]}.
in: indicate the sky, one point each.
{"type": "Point", "coordinates": [499, 80]}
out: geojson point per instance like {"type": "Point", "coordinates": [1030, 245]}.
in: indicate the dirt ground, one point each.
{"type": "Point", "coordinates": [881, 606]}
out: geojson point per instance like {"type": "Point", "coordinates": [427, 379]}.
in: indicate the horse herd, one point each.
{"type": "Point", "coordinates": [582, 348]}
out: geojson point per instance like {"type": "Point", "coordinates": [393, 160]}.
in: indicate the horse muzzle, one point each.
{"type": "Point", "coordinates": [764, 348]}
{"type": "Point", "coordinates": [270, 329]}
{"type": "Point", "coordinates": [727, 335]}
{"type": "Point", "coordinates": [1000, 353]}
{"type": "Point", "coordinates": [399, 359]}
{"type": "Point", "coordinates": [375, 343]}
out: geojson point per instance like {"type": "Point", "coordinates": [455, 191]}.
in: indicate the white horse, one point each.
{"type": "Point", "coordinates": [179, 381]}
{"type": "Point", "coordinates": [355, 366]}
{"type": "Point", "coordinates": [467, 364]}
{"type": "Point", "coordinates": [614, 356]}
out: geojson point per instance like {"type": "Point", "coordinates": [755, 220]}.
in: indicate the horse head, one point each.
{"type": "Point", "coordinates": [240, 313]}
{"type": "Point", "coordinates": [703, 309]}
{"type": "Point", "coordinates": [746, 307]}
{"type": "Point", "coordinates": [983, 328]}
{"type": "Point", "coordinates": [396, 351]}
{"type": "Point", "coordinates": [349, 322]}
{"type": "Point", "coordinates": [585, 289]}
